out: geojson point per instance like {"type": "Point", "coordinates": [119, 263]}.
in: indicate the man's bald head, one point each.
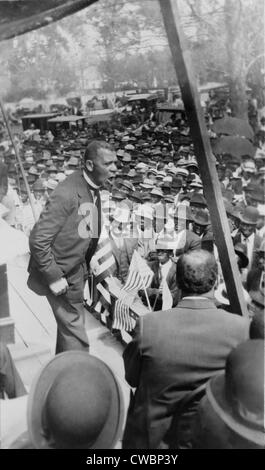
{"type": "Point", "coordinates": [196, 272]}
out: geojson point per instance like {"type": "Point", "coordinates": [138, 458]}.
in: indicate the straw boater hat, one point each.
{"type": "Point", "coordinates": [237, 396]}
{"type": "Point", "coordinates": [75, 403]}
{"type": "Point", "coordinates": [166, 242]}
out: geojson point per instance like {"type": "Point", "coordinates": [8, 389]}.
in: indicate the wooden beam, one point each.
{"type": "Point", "coordinates": [19, 17]}
{"type": "Point", "coordinates": [182, 63]}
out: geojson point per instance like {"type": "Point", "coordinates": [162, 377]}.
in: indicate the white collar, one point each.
{"type": "Point", "coordinates": [88, 180]}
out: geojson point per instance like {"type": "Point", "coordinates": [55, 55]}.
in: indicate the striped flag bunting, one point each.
{"type": "Point", "coordinates": [102, 265]}
{"type": "Point", "coordinates": [139, 277]}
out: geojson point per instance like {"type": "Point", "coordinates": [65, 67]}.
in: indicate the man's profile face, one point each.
{"type": "Point", "coordinates": [247, 229]}
{"type": "Point", "coordinates": [103, 167]}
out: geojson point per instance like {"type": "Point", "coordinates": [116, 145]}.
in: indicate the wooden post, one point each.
{"type": "Point", "coordinates": [183, 67]}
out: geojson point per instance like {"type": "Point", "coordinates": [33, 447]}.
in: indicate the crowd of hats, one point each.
{"type": "Point", "coordinates": [155, 162]}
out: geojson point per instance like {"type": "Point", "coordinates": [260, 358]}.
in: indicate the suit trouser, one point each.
{"type": "Point", "coordinates": [69, 313]}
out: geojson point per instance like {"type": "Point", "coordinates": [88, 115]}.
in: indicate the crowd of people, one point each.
{"type": "Point", "coordinates": [142, 183]}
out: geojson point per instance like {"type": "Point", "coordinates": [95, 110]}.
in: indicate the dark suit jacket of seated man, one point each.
{"type": "Point", "coordinates": [63, 241]}
{"type": "Point", "coordinates": [175, 351]}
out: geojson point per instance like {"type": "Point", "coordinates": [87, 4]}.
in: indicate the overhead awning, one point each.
{"type": "Point", "coordinates": [20, 16]}
{"type": "Point", "coordinates": [142, 96]}
{"type": "Point", "coordinates": [69, 118]}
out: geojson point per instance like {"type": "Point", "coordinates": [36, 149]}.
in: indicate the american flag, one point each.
{"type": "Point", "coordinates": [102, 265]}
{"type": "Point", "coordinates": [139, 277]}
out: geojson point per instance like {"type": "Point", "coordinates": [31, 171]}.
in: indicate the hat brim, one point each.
{"type": "Point", "coordinates": [201, 222]}
{"type": "Point", "coordinates": [246, 221]}
{"type": "Point", "coordinates": [41, 385]}
{"type": "Point", "coordinates": [216, 395]}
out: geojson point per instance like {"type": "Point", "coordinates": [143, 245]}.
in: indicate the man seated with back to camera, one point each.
{"type": "Point", "coordinates": [176, 352]}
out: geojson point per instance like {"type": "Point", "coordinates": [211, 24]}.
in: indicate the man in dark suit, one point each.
{"type": "Point", "coordinates": [63, 241]}
{"type": "Point", "coordinates": [175, 351]}
{"type": "Point", "coordinates": [247, 235]}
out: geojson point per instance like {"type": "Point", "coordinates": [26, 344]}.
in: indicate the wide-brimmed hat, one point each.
{"type": "Point", "coordinates": [75, 402]}
{"type": "Point", "coordinates": [250, 215]}
{"type": "Point", "coordinates": [201, 218]}
{"type": "Point", "coordinates": [182, 172]}
{"type": "Point", "coordinates": [118, 195]}
{"type": "Point", "coordinates": [237, 396]}
{"type": "Point", "coordinates": [51, 184]}
{"type": "Point", "coordinates": [166, 242]}
{"type": "Point", "coordinates": [249, 166]}
{"type": "Point", "coordinates": [198, 200]}
{"type": "Point", "coordinates": [127, 184]}
{"type": "Point", "coordinates": [156, 192]}
{"type": "Point", "coordinates": [38, 186]}
{"type": "Point", "coordinates": [147, 184]}
{"type": "Point", "coordinates": [74, 161]}
{"type": "Point", "coordinates": [60, 177]}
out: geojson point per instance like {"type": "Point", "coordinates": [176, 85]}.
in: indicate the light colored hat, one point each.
{"type": "Point", "coordinates": [249, 166]}
{"type": "Point", "coordinates": [167, 179]}
{"type": "Point", "coordinates": [260, 154]}
{"type": "Point", "coordinates": [60, 177]}
{"type": "Point", "coordinates": [126, 157]}
{"type": "Point", "coordinates": [165, 243]}
{"type": "Point", "coordinates": [129, 147]}
{"type": "Point", "coordinates": [51, 184]}
{"type": "Point", "coordinates": [144, 211]}
{"type": "Point", "coordinates": [161, 174]}
{"type": "Point", "coordinates": [156, 192]}
{"type": "Point", "coordinates": [147, 183]}
{"type": "Point", "coordinates": [261, 209]}
{"type": "Point", "coordinates": [182, 172]}
{"type": "Point", "coordinates": [141, 166]}
{"type": "Point", "coordinates": [29, 159]}
{"type": "Point", "coordinates": [74, 161]}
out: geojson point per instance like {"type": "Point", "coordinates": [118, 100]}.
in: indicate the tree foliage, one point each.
{"type": "Point", "coordinates": [124, 42]}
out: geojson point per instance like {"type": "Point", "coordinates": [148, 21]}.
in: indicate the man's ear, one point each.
{"type": "Point", "coordinates": [89, 165]}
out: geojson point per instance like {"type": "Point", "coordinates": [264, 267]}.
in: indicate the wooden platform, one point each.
{"type": "Point", "coordinates": [35, 331]}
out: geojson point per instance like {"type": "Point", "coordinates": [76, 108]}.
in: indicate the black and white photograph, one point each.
{"type": "Point", "coordinates": [132, 228]}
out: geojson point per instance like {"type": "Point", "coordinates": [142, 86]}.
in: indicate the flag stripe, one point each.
{"type": "Point", "coordinates": [105, 266]}
{"type": "Point", "coordinates": [104, 292]}
{"type": "Point", "coordinates": [103, 250]}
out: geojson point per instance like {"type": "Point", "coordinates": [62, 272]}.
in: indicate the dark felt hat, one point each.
{"type": "Point", "coordinates": [75, 403]}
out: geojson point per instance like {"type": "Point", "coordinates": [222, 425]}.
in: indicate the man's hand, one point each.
{"type": "Point", "coordinates": [59, 287]}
